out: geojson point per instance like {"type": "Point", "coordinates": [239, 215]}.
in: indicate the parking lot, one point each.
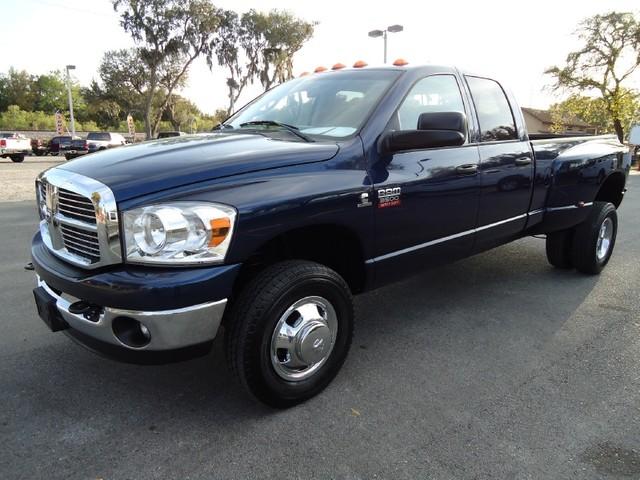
{"type": "Point", "coordinates": [18, 178]}
{"type": "Point", "coordinates": [497, 366]}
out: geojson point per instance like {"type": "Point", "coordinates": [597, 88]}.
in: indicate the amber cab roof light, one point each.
{"type": "Point", "coordinates": [338, 66]}
{"type": "Point", "coordinates": [400, 62]}
{"type": "Point", "coordinates": [320, 69]}
{"type": "Point", "coordinates": [304, 74]}
{"type": "Point", "coordinates": [360, 64]}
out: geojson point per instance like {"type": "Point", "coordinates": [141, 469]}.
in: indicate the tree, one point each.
{"type": "Point", "coordinates": [593, 110]}
{"type": "Point", "coordinates": [609, 57]}
{"type": "Point", "coordinates": [259, 46]}
{"type": "Point", "coordinates": [284, 35]}
{"type": "Point", "coordinates": [17, 89]}
{"type": "Point", "coordinates": [181, 113]}
{"type": "Point", "coordinates": [168, 32]}
{"type": "Point", "coordinates": [50, 92]}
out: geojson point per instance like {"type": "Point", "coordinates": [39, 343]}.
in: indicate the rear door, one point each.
{"type": "Point", "coordinates": [427, 199]}
{"type": "Point", "coordinates": [506, 166]}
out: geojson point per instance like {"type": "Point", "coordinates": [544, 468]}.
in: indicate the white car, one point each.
{"type": "Point", "coordinates": [14, 146]}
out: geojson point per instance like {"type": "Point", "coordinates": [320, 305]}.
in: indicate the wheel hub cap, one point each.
{"type": "Point", "coordinates": [303, 338]}
{"type": "Point", "coordinates": [604, 239]}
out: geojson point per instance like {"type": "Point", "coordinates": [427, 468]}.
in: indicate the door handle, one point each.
{"type": "Point", "coordinates": [468, 169]}
{"type": "Point", "coordinates": [522, 161]}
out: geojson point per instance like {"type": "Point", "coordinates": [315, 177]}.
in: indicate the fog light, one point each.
{"type": "Point", "coordinates": [131, 332]}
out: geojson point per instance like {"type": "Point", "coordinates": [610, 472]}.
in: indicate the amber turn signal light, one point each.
{"type": "Point", "coordinates": [219, 230]}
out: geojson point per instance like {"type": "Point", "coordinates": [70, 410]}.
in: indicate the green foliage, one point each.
{"type": "Point", "coordinates": [17, 119]}
{"type": "Point", "coordinates": [142, 81]}
{"type": "Point", "coordinates": [593, 110]}
{"type": "Point", "coordinates": [170, 35]}
{"type": "Point", "coordinates": [609, 57]}
{"type": "Point", "coordinates": [259, 46]}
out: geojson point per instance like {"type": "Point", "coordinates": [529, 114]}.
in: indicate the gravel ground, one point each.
{"type": "Point", "coordinates": [495, 367]}
{"type": "Point", "coordinates": [18, 178]}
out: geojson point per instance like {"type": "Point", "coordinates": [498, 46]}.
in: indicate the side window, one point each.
{"type": "Point", "coordinates": [494, 113]}
{"type": "Point", "coordinates": [437, 93]}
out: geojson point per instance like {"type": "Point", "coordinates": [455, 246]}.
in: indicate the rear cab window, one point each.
{"type": "Point", "coordinates": [493, 110]}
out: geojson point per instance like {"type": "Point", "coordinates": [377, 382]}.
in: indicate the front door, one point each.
{"type": "Point", "coordinates": [426, 201]}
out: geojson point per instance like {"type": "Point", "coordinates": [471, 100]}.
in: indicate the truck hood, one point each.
{"type": "Point", "coordinates": [136, 170]}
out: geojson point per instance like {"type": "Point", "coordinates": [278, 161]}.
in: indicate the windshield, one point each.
{"type": "Point", "coordinates": [334, 104]}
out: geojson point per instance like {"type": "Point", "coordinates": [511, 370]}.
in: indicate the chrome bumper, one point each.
{"type": "Point", "coordinates": [169, 329]}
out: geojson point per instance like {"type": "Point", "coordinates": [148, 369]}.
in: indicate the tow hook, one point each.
{"type": "Point", "coordinates": [87, 310]}
{"type": "Point", "coordinates": [29, 266]}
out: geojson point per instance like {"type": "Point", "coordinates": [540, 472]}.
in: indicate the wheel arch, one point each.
{"type": "Point", "coordinates": [333, 245]}
{"type": "Point", "coordinates": [612, 189]}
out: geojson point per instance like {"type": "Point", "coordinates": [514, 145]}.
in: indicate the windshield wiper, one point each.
{"type": "Point", "coordinates": [222, 126]}
{"type": "Point", "coordinates": [290, 128]}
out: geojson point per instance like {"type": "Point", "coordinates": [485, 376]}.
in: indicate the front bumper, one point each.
{"type": "Point", "coordinates": [168, 329]}
{"type": "Point", "coordinates": [181, 307]}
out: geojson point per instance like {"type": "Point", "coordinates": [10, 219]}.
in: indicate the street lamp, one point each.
{"type": "Point", "coordinates": [383, 33]}
{"type": "Point", "coordinates": [73, 123]}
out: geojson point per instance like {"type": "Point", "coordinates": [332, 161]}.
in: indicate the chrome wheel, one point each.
{"type": "Point", "coordinates": [303, 338]}
{"type": "Point", "coordinates": [604, 239]}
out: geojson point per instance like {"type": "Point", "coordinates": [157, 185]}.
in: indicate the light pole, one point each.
{"type": "Point", "coordinates": [73, 123]}
{"type": "Point", "coordinates": [383, 33]}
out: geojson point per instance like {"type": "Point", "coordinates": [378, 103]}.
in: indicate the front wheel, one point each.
{"type": "Point", "coordinates": [289, 332]}
{"type": "Point", "coordinates": [594, 239]}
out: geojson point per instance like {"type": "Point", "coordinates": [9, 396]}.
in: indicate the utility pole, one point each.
{"type": "Point", "coordinates": [73, 123]}
{"type": "Point", "coordinates": [383, 34]}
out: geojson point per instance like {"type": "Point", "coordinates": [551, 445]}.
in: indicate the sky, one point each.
{"type": "Point", "coordinates": [513, 42]}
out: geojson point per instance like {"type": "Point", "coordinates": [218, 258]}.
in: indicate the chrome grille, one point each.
{"type": "Point", "coordinates": [76, 206]}
{"type": "Point", "coordinates": [79, 219]}
{"type": "Point", "coordinates": [81, 242]}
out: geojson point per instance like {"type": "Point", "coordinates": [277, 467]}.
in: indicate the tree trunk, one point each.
{"type": "Point", "coordinates": [148, 127]}
{"type": "Point", "coordinates": [617, 126]}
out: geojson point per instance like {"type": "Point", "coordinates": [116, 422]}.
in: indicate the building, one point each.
{"type": "Point", "coordinates": [540, 121]}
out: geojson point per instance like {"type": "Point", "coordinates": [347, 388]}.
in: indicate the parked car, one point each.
{"type": "Point", "coordinates": [170, 134]}
{"type": "Point", "coordinates": [39, 147]}
{"type": "Point", "coordinates": [59, 143]}
{"type": "Point", "coordinates": [324, 187]}
{"type": "Point", "coordinates": [94, 142]}
{"type": "Point", "coordinates": [14, 146]}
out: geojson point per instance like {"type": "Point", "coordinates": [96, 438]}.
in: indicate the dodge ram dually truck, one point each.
{"type": "Point", "coordinates": [323, 187]}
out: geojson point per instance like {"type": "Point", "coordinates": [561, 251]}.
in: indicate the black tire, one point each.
{"type": "Point", "coordinates": [18, 158]}
{"type": "Point", "coordinates": [261, 306]}
{"type": "Point", "coordinates": [584, 253]}
{"type": "Point", "coordinates": [68, 157]}
{"type": "Point", "coordinates": [559, 248]}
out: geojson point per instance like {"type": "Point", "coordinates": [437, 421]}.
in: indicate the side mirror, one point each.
{"type": "Point", "coordinates": [634, 135]}
{"type": "Point", "coordinates": [435, 130]}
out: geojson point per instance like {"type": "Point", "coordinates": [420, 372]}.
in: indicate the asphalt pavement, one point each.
{"type": "Point", "coordinates": [496, 367]}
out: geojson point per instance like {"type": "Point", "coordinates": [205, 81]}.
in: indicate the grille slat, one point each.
{"type": "Point", "coordinates": [90, 236]}
{"type": "Point", "coordinates": [81, 253]}
{"type": "Point", "coordinates": [81, 204]}
{"type": "Point", "coordinates": [77, 244]}
{"type": "Point", "coordinates": [74, 213]}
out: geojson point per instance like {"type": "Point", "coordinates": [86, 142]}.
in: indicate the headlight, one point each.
{"type": "Point", "coordinates": [178, 233]}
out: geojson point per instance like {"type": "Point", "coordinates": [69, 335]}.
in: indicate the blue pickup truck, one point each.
{"type": "Point", "coordinates": [323, 187]}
